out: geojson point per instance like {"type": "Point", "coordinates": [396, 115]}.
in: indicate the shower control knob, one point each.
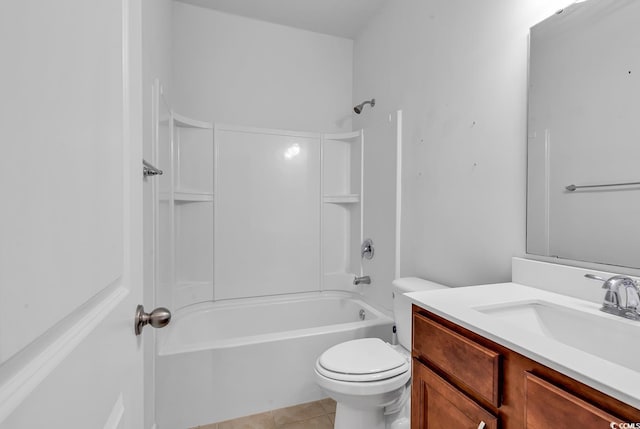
{"type": "Point", "coordinates": [158, 318]}
{"type": "Point", "coordinates": [366, 249]}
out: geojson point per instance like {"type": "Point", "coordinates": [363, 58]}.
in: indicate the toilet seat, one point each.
{"type": "Point", "coordinates": [362, 360]}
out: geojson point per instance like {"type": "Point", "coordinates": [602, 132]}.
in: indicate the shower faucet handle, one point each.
{"type": "Point", "coordinates": [366, 249]}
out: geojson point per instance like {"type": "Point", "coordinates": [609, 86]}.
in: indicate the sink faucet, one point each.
{"type": "Point", "coordinates": [622, 297]}
{"type": "Point", "coordinates": [364, 280]}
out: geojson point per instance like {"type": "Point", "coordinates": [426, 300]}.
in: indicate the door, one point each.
{"type": "Point", "coordinates": [70, 217]}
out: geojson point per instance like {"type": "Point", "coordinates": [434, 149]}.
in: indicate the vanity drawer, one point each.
{"type": "Point", "coordinates": [437, 404]}
{"type": "Point", "coordinates": [549, 406]}
{"type": "Point", "coordinates": [463, 360]}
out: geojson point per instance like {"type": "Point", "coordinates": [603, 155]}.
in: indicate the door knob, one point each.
{"type": "Point", "coordinates": [158, 318]}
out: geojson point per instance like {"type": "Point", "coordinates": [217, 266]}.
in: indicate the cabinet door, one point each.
{"type": "Point", "coordinates": [435, 404]}
{"type": "Point", "coordinates": [548, 406]}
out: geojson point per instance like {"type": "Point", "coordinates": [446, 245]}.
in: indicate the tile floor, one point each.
{"type": "Point", "coordinates": [312, 415]}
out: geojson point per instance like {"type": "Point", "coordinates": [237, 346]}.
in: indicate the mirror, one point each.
{"type": "Point", "coordinates": [584, 130]}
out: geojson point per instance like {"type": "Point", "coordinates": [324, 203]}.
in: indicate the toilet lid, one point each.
{"type": "Point", "coordinates": [366, 359]}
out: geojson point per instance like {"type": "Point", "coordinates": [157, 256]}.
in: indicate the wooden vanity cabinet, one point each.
{"type": "Point", "coordinates": [548, 406]}
{"type": "Point", "coordinates": [439, 404]}
{"type": "Point", "coordinates": [463, 380]}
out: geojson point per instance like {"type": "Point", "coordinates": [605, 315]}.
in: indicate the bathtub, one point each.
{"type": "Point", "coordinates": [221, 360]}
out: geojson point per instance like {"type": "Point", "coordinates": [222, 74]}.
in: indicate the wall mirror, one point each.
{"type": "Point", "coordinates": [584, 130]}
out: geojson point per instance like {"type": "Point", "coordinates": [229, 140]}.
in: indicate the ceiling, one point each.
{"type": "Point", "coordinates": [343, 18]}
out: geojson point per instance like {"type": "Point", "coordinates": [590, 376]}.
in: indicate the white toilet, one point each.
{"type": "Point", "coordinates": [369, 379]}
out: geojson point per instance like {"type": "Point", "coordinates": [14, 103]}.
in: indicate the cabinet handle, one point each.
{"type": "Point", "coordinates": [482, 425]}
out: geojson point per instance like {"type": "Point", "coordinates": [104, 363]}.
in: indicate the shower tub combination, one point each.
{"type": "Point", "coordinates": [227, 359]}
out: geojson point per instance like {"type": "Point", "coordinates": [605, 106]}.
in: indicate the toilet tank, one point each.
{"type": "Point", "coordinates": [402, 304]}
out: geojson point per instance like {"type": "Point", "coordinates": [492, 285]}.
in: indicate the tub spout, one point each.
{"type": "Point", "coordinates": [364, 280]}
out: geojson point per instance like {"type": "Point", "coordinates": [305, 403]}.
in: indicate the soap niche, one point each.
{"type": "Point", "coordinates": [342, 195]}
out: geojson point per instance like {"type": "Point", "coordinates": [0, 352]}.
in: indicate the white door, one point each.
{"type": "Point", "coordinates": [70, 216]}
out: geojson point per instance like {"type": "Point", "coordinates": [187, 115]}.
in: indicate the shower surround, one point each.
{"type": "Point", "coordinates": [259, 243]}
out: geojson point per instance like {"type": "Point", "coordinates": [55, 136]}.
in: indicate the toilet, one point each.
{"type": "Point", "coordinates": [370, 379]}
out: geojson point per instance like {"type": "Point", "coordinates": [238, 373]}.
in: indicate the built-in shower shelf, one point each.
{"type": "Point", "coordinates": [182, 196]}
{"type": "Point", "coordinates": [342, 199]}
{"type": "Point", "coordinates": [193, 196]}
{"type": "Point", "coordinates": [184, 122]}
{"type": "Point", "coordinates": [186, 152]}
{"type": "Point", "coordinates": [343, 136]}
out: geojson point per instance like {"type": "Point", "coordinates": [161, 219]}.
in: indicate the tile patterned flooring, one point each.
{"type": "Point", "coordinates": [312, 415]}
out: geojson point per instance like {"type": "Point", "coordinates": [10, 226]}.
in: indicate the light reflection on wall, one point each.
{"type": "Point", "coordinates": [292, 151]}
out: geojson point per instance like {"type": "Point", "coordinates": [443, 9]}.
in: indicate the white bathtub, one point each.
{"type": "Point", "coordinates": [217, 361]}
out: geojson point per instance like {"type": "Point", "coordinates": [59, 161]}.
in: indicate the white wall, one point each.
{"type": "Point", "coordinates": [458, 70]}
{"type": "Point", "coordinates": [156, 63]}
{"type": "Point", "coordinates": [241, 71]}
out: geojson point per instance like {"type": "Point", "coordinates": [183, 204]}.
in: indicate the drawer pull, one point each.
{"type": "Point", "coordinates": [482, 425]}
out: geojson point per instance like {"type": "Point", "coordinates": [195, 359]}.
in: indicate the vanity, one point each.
{"type": "Point", "coordinates": [512, 355]}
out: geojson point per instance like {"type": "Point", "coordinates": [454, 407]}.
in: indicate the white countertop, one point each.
{"type": "Point", "coordinates": [460, 306]}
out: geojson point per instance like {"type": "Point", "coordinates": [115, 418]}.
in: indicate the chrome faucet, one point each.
{"type": "Point", "coordinates": [364, 280]}
{"type": "Point", "coordinates": [622, 297]}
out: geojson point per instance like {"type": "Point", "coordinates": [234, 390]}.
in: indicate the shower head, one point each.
{"type": "Point", "coordinates": [358, 108]}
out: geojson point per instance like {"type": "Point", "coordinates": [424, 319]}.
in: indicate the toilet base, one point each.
{"type": "Point", "coordinates": [358, 418]}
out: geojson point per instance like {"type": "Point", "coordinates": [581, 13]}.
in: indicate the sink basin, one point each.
{"type": "Point", "coordinates": [590, 331]}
